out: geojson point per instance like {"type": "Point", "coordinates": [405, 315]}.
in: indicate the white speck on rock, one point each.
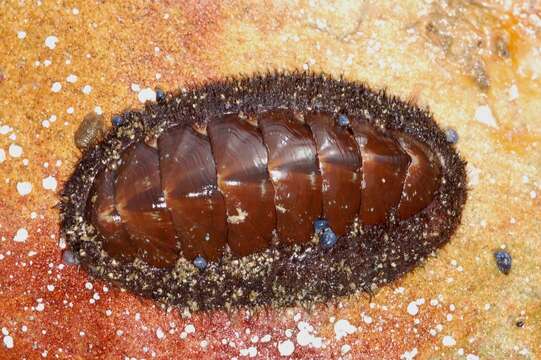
{"type": "Point", "coordinates": [345, 349]}
{"type": "Point", "coordinates": [305, 336]}
{"type": "Point", "coordinates": [2, 156]}
{"type": "Point", "coordinates": [286, 348]}
{"type": "Point", "coordinates": [146, 94]}
{"type": "Point", "coordinates": [189, 329]}
{"type": "Point", "coordinates": [49, 183]}
{"type": "Point", "coordinates": [266, 338]}
{"type": "Point", "coordinates": [50, 41]}
{"type": "Point", "coordinates": [159, 333]}
{"type": "Point", "coordinates": [483, 114]}
{"type": "Point", "coordinates": [40, 307]}
{"type": "Point", "coordinates": [24, 188]}
{"type": "Point", "coordinates": [135, 87]}
{"type": "Point", "coordinates": [21, 235]}
{"type": "Point", "coordinates": [473, 175]}
{"type": "Point", "coordinates": [5, 129]}
{"type": "Point", "coordinates": [448, 341]}
{"type": "Point", "coordinates": [21, 34]}
{"type": "Point", "coordinates": [343, 328]}
{"type": "Point", "coordinates": [251, 351]}
{"type": "Point", "coordinates": [56, 87]}
{"type": "Point", "coordinates": [513, 92]}
{"type": "Point", "coordinates": [8, 342]}
{"type": "Point", "coordinates": [413, 309]}
{"type": "Point", "coordinates": [366, 318]}
{"type": "Point", "coordinates": [72, 79]}
{"type": "Point", "coordinates": [472, 357]}
{"type": "Point", "coordinates": [15, 150]}
{"type": "Point", "coordinates": [409, 355]}
{"type": "Point", "coordinates": [87, 89]}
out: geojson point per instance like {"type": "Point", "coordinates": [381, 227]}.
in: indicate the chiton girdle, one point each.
{"type": "Point", "coordinates": [281, 270]}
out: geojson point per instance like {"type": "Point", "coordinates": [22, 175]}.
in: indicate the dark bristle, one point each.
{"type": "Point", "coordinates": [279, 276]}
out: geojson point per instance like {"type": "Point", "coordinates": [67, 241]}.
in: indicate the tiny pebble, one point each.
{"type": "Point", "coordinates": [328, 239]}
{"type": "Point", "coordinates": [116, 120]}
{"type": "Point", "coordinates": [451, 135]}
{"type": "Point", "coordinates": [200, 262]}
{"type": "Point", "coordinates": [343, 120]}
{"type": "Point", "coordinates": [503, 260]}
{"type": "Point", "coordinates": [69, 258]}
{"type": "Point", "coordinates": [160, 95]}
{"type": "Point", "coordinates": [320, 225]}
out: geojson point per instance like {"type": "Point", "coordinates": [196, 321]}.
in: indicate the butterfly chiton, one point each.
{"type": "Point", "coordinates": [280, 189]}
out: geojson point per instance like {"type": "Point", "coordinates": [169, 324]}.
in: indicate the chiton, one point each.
{"type": "Point", "coordinates": [280, 189]}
